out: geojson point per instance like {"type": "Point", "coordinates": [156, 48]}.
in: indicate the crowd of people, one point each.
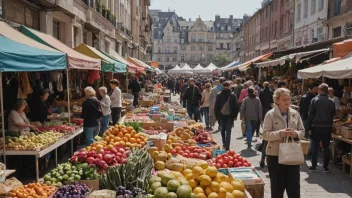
{"type": "Point", "coordinates": [263, 107]}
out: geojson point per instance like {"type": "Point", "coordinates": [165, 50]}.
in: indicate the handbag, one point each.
{"type": "Point", "coordinates": [291, 153]}
{"type": "Point", "coordinates": [225, 110]}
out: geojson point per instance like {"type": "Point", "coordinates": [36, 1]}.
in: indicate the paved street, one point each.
{"type": "Point", "coordinates": [313, 184]}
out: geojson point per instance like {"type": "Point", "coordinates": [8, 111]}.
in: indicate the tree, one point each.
{"type": "Point", "coordinates": [222, 60]}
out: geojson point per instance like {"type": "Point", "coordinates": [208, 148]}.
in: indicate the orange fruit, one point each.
{"type": "Point", "coordinates": [107, 133]}
{"type": "Point", "coordinates": [138, 141]}
{"type": "Point", "coordinates": [110, 146]}
{"type": "Point", "coordinates": [133, 133]}
{"type": "Point", "coordinates": [132, 140]}
{"type": "Point", "coordinates": [117, 143]}
{"type": "Point", "coordinates": [122, 143]}
{"type": "Point", "coordinates": [129, 129]}
{"type": "Point", "coordinates": [107, 139]}
{"type": "Point", "coordinates": [120, 134]}
{"type": "Point", "coordinates": [139, 146]}
{"type": "Point", "coordinates": [125, 139]}
{"type": "Point", "coordinates": [116, 139]}
{"type": "Point", "coordinates": [127, 135]}
{"type": "Point", "coordinates": [128, 144]}
{"type": "Point", "coordinates": [99, 146]}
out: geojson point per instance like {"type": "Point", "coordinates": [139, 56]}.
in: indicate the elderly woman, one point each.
{"type": "Point", "coordinates": [17, 120]}
{"type": "Point", "coordinates": [105, 108]}
{"type": "Point", "coordinates": [280, 122]}
{"type": "Point", "coordinates": [334, 98]}
{"type": "Point", "coordinates": [91, 113]}
{"type": "Point", "coordinates": [116, 101]}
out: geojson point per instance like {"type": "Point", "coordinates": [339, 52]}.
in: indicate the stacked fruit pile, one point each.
{"type": "Point", "coordinates": [32, 141]}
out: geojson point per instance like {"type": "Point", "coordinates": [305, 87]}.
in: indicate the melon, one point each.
{"type": "Point", "coordinates": [171, 195]}
{"type": "Point", "coordinates": [173, 185]}
{"type": "Point", "coordinates": [154, 186]}
{"type": "Point", "coordinates": [161, 192]}
{"type": "Point", "coordinates": [184, 191]}
{"type": "Point", "coordinates": [154, 179]}
{"type": "Point", "coordinates": [166, 178]}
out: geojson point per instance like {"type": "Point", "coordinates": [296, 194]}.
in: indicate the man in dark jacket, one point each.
{"type": "Point", "coordinates": [135, 86]}
{"type": "Point", "coordinates": [183, 90]}
{"type": "Point", "coordinates": [320, 119]}
{"type": "Point", "coordinates": [304, 105]}
{"type": "Point", "coordinates": [226, 120]}
{"type": "Point", "coordinates": [192, 96]}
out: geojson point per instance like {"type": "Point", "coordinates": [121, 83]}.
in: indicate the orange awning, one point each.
{"type": "Point", "coordinates": [246, 65]}
{"type": "Point", "coordinates": [140, 68]}
{"type": "Point", "coordinates": [342, 49]}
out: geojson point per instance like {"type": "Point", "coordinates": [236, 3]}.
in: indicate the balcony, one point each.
{"type": "Point", "coordinates": [144, 15]}
{"type": "Point", "coordinates": [120, 27]}
{"type": "Point", "coordinates": [174, 52]}
{"type": "Point", "coordinates": [202, 41]}
{"type": "Point", "coordinates": [97, 22]}
{"type": "Point", "coordinates": [128, 33]}
{"type": "Point", "coordinates": [48, 4]}
{"type": "Point", "coordinates": [102, 10]}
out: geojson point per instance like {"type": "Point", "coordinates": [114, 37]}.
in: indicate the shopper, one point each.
{"type": "Point", "coordinates": [251, 113]}
{"type": "Point", "coordinates": [91, 114]}
{"type": "Point", "coordinates": [193, 96]}
{"type": "Point", "coordinates": [304, 105]}
{"type": "Point", "coordinates": [266, 99]}
{"type": "Point", "coordinates": [105, 108]}
{"type": "Point", "coordinates": [334, 98]}
{"type": "Point", "coordinates": [280, 122]}
{"type": "Point", "coordinates": [243, 95]}
{"type": "Point", "coordinates": [212, 98]}
{"type": "Point", "coordinates": [116, 101]}
{"type": "Point", "coordinates": [135, 87]}
{"type": "Point", "coordinates": [183, 90]}
{"type": "Point", "coordinates": [226, 97]}
{"type": "Point", "coordinates": [320, 119]}
{"type": "Point", "coordinates": [205, 104]}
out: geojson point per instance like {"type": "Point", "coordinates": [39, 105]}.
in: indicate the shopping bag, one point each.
{"type": "Point", "coordinates": [290, 152]}
{"type": "Point", "coordinates": [225, 110]}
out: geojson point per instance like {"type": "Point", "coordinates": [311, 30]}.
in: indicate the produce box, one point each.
{"type": "Point", "coordinates": [218, 152]}
{"type": "Point", "coordinates": [94, 184]}
{"type": "Point", "coordinates": [346, 132]}
{"type": "Point", "coordinates": [224, 170]}
{"type": "Point", "coordinates": [169, 126]}
{"type": "Point", "coordinates": [254, 184]}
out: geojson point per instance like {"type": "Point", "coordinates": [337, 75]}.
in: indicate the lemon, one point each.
{"type": "Point", "coordinates": [197, 171]}
{"type": "Point", "coordinates": [213, 195]}
{"type": "Point", "coordinates": [198, 190]}
{"type": "Point", "coordinates": [193, 183]}
{"type": "Point", "coordinates": [214, 186]}
{"type": "Point", "coordinates": [211, 171]}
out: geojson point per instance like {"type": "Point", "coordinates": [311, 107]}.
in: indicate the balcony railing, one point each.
{"type": "Point", "coordinates": [106, 13]}
{"type": "Point", "coordinates": [202, 41]}
{"type": "Point", "coordinates": [174, 52]}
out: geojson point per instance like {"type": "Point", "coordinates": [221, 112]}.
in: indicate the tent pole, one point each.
{"type": "Point", "coordinates": [2, 118]}
{"type": "Point", "coordinates": [68, 96]}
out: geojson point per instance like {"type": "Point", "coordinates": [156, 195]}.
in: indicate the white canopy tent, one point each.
{"type": "Point", "coordinates": [234, 63]}
{"type": "Point", "coordinates": [212, 67]}
{"type": "Point", "coordinates": [201, 69]}
{"type": "Point", "coordinates": [186, 68]}
{"type": "Point", "coordinates": [340, 69]}
{"type": "Point", "coordinates": [175, 70]}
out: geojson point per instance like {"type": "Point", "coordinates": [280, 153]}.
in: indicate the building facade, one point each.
{"type": "Point", "coordinates": [105, 24]}
{"type": "Point", "coordinates": [309, 21]}
{"type": "Point", "coordinates": [340, 19]}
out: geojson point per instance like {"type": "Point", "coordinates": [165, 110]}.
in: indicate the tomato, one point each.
{"type": "Point", "coordinates": [218, 157]}
{"type": "Point", "coordinates": [245, 164]}
{"type": "Point", "coordinates": [185, 155]}
{"type": "Point", "coordinates": [178, 148]}
{"type": "Point", "coordinates": [187, 151]}
{"type": "Point", "coordinates": [225, 166]}
{"type": "Point", "coordinates": [226, 160]}
{"type": "Point", "coordinates": [181, 152]}
{"type": "Point", "coordinates": [240, 159]}
{"type": "Point", "coordinates": [184, 148]}
{"type": "Point", "coordinates": [237, 156]}
{"type": "Point", "coordinates": [231, 153]}
{"type": "Point", "coordinates": [235, 161]}
{"type": "Point", "coordinates": [173, 151]}
{"type": "Point", "coordinates": [230, 158]}
{"type": "Point", "coordinates": [249, 164]}
{"type": "Point", "coordinates": [209, 155]}
{"type": "Point", "coordinates": [195, 155]}
{"type": "Point", "coordinates": [218, 165]}
{"type": "Point", "coordinates": [239, 164]}
{"type": "Point", "coordinates": [220, 161]}
{"type": "Point", "coordinates": [230, 164]}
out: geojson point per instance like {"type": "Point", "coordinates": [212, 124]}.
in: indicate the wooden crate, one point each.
{"type": "Point", "coordinates": [346, 132]}
{"type": "Point", "coordinates": [146, 103]}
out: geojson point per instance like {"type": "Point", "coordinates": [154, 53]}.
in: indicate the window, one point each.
{"type": "Point", "coordinates": [282, 22]}
{"type": "Point", "coordinates": [267, 12]}
{"type": "Point", "coordinates": [169, 40]}
{"type": "Point", "coordinates": [176, 41]}
{"type": "Point", "coordinates": [221, 45]}
{"type": "Point", "coordinates": [275, 32]}
{"type": "Point", "coordinates": [314, 6]}
{"type": "Point", "coordinates": [159, 59]}
{"type": "Point", "coordinates": [0, 7]}
{"type": "Point", "coordinates": [209, 56]}
{"type": "Point", "coordinates": [321, 5]}
{"type": "Point", "coordinates": [56, 29]}
{"type": "Point", "coordinates": [210, 48]}
{"type": "Point", "coordinates": [167, 59]}
{"type": "Point", "coordinates": [305, 12]}
{"type": "Point", "coordinates": [228, 45]}
{"type": "Point", "coordinates": [193, 48]}
{"type": "Point", "coordinates": [183, 47]}
{"type": "Point", "coordinates": [182, 57]}
{"type": "Point", "coordinates": [174, 49]}
{"type": "Point", "coordinates": [337, 6]}
{"type": "Point", "coordinates": [222, 28]}
{"type": "Point", "coordinates": [200, 47]}
{"type": "Point", "coordinates": [182, 40]}
{"type": "Point", "coordinates": [299, 12]}
{"type": "Point", "coordinates": [266, 32]}
{"type": "Point", "coordinates": [336, 32]}
{"type": "Point", "coordinates": [226, 21]}
{"type": "Point", "coordinates": [193, 57]}
{"type": "Point", "coordinates": [312, 34]}
{"type": "Point", "coordinates": [218, 24]}
{"type": "Point", "coordinates": [194, 38]}
{"type": "Point", "coordinates": [84, 35]}
{"type": "Point", "coordinates": [229, 28]}
{"type": "Point", "coordinates": [174, 59]}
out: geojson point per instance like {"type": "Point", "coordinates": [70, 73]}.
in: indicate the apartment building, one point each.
{"type": "Point", "coordinates": [105, 24]}
{"type": "Point", "coordinates": [284, 37]}
{"type": "Point", "coordinates": [309, 22]}
{"type": "Point", "coordinates": [251, 32]}
{"type": "Point", "coordinates": [225, 28]}
{"type": "Point", "coordinates": [266, 27]}
{"type": "Point", "coordinates": [340, 19]}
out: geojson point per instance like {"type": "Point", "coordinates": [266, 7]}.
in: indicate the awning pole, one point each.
{"type": "Point", "coordinates": [127, 81]}
{"type": "Point", "coordinates": [68, 96]}
{"type": "Point", "coordinates": [2, 118]}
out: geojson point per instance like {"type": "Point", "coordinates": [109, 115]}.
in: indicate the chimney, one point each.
{"type": "Point", "coordinates": [217, 17]}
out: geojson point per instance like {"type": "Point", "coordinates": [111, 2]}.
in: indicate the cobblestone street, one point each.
{"type": "Point", "coordinates": [313, 184]}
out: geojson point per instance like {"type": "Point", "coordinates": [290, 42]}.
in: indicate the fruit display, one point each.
{"type": "Point", "coordinates": [202, 137]}
{"type": "Point", "coordinates": [32, 141]}
{"type": "Point", "coordinates": [75, 190]}
{"type": "Point", "coordinates": [32, 190]}
{"type": "Point", "coordinates": [152, 131]}
{"type": "Point", "coordinates": [135, 173]}
{"type": "Point", "coordinates": [229, 160]}
{"type": "Point", "coordinates": [59, 128]}
{"type": "Point", "coordinates": [197, 152]}
{"type": "Point", "coordinates": [103, 158]}
{"type": "Point", "coordinates": [123, 192]}
{"type": "Point", "coordinates": [169, 185]}
{"type": "Point", "coordinates": [67, 173]}
{"type": "Point", "coordinates": [103, 194]}
{"type": "Point", "coordinates": [120, 135]}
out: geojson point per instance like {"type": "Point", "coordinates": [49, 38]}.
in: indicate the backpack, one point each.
{"type": "Point", "coordinates": [225, 110]}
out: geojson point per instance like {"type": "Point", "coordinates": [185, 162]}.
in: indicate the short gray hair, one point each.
{"type": "Point", "coordinates": [280, 92]}
{"type": "Point", "coordinates": [89, 91]}
{"type": "Point", "coordinates": [103, 89]}
{"type": "Point", "coordinates": [19, 103]}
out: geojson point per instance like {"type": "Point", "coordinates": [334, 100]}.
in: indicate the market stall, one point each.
{"type": "Point", "coordinates": [200, 69]}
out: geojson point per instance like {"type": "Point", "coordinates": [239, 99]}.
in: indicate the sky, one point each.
{"type": "Point", "coordinates": [207, 9]}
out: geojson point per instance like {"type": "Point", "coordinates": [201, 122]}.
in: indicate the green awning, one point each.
{"type": "Point", "coordinates": [108, 64]}
{"type": "Point", "coordinates": [122, 67]}
{"type": "Point", "coordinates": [17, 57]}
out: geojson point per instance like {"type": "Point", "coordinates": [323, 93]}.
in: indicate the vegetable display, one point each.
{"type": "Point", "coordinates": [229, 160]}
{"type": "Point", "coordinates": [192, 152]}
{"type": "Point", "coordinates": [32, 141]}
{"type": "Point", "coordinates": [135, 173]}
{"type": "Point", "coordinates": [75, 190]}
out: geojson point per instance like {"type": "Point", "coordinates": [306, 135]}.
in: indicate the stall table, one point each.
{"type": "Point", "coordinates": [41, 153]}
{"type": "Point", "coordinates": [337, 137]}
